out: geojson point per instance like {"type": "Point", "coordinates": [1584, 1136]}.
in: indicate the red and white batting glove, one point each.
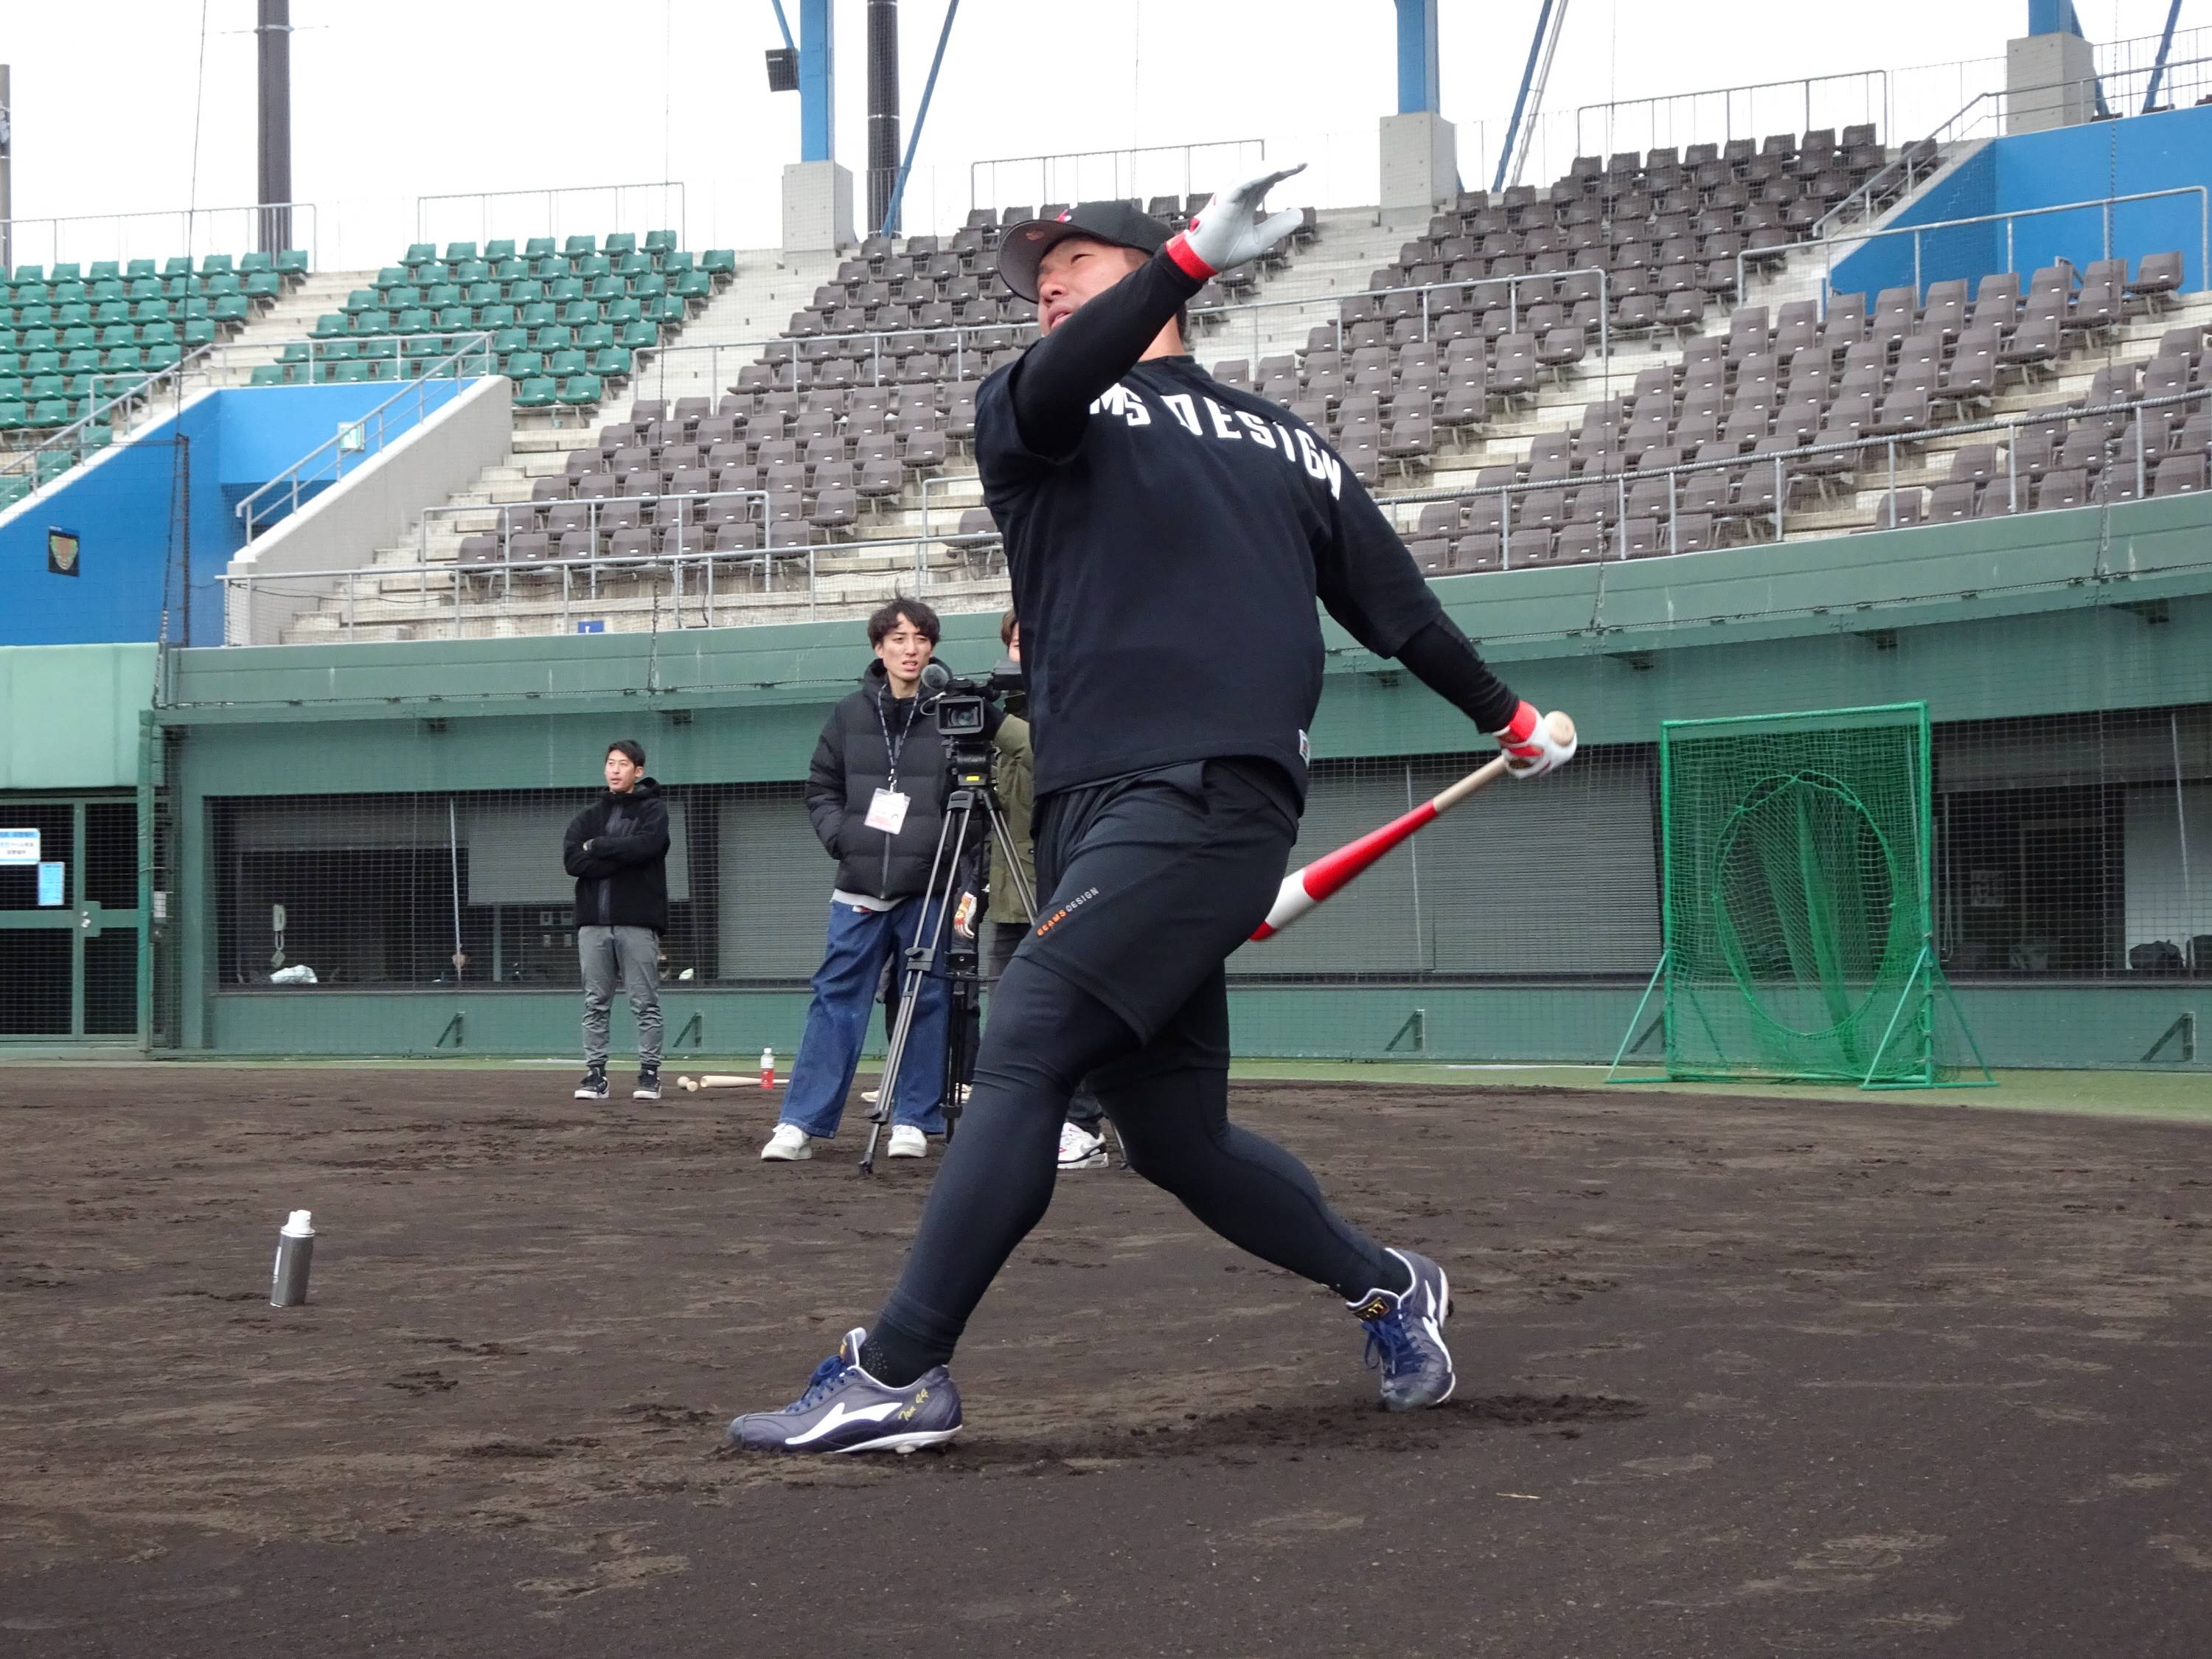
{"type": "Point", "coordinates": [1222, 233]}
{"type": "Point", "coordinates": [1530, 748]}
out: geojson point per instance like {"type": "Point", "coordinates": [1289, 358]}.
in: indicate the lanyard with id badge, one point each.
{"type": "Point", "coordinates": [887, 812]}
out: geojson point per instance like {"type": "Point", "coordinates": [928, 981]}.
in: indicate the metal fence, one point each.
{"type": "Point", "coordinates": [1859, 97]}
{"type": "Point", "coordinates": [165, 232]}
{"type": "Point", "coordinates": [556, 211]}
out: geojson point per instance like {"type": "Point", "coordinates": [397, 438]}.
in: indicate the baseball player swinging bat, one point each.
{"type": "Point", "coordinates": [1310, 883]}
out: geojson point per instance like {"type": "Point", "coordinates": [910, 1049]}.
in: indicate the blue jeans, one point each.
{"type": "Point", "coordinates": [837, 1023]}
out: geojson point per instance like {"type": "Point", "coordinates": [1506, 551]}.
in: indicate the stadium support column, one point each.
{"type": "Point", "coordinates": [275, 32]}
{"type": "Point", "coordinates": [2051, 72]}
{"type": "Point", "coordinates": [1420, 150]}
{"type": "Point", "coordinates": [817, 193]}
{"type": "Point", "coordinates": [882, 109]}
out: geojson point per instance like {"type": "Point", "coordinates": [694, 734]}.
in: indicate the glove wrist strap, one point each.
{"type": "Point", "coordinates": [1520, 727]}
{"type": "Point", "coordinates": [1187, 261]}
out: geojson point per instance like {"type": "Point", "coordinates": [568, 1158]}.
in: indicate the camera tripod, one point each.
{"type": "Point", "coordinates": [971, 794]}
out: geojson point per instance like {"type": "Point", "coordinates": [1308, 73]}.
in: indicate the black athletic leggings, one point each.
{"type": "Point", "coordinates": [1044, 1036]}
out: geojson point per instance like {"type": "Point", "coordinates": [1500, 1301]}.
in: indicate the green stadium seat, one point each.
{"type": "Point", "coordinates": [34, 275]}
{"type": "Point", "coordinates": [589, 266]}
{"type": "Point", "coordinates": [537, 392]}
{"type": "Point", "coordinates": [390, 276]}
{"type": "Point", "coordinates": [603, 289]}
{"type": "Point", "coordinates": [420, 347]}
{"type": "Point", "coordinates": [485, 292]}
{"type": "Point", "coordinates": [718, 262]}
{"type": "Point", "coordinates": [660, 242]}
{"type": "Point", "coordinates": [256, 265]}
{"type": "Point", "coordinates": [39, 314]}
{"type": "Point", "coordinates": [451, 317]}
{"type": "Point", "coordinates": [158, 334]}
{"type": "Point", "coordinates": [670, 310]}
{"type": "Point", "coordinates": [231, 309]}
{"type": "Point", "coordinates": [495, 316]}
{"type": "Point", "coordinates": [537, 314]}
{"type": "Point", "coordinates": [413, 320]}
{"type": "Point", "coordinates": [200, 331]}
{"type": "Point", "coordinates": [437, 296]}
{"type": "Point", "coordinates": [562, 364]}
{"type": "Point", "coordinates": [582, 391]}
{"type": "Point", "coordinates": [361, 300]}
{"type": "Point", "coordinates": [579, 314]}
{"type": "Point", "coordinates": [344, 373]}
{"type": "Point", "coordinates": [595, 337]}
{"type": "Point", "coordinates": [217, 264]}
{"type": "Point", "coordinates": [11, 363]}
{"type": "Point", "coordinates": [551, 267]}
{"type": "Point", "coordinates": [160, 354]}
{"type": "Point", "coordinates": [217, 287]}
{"type": "Point", "coordinates": [49, 411]}
{"type": "Point", "coordinates": [553, 337]}
{"type": "Point", "coordinates": [11, 388]}
{"type": "Point", "coordinates": [72, 317]}
{"type": "Point", "coordinates": [195, 306]}
{"type": "Point", "coordinates": [144, 288]}
{"type": "Point", "coordinates": [67, 271]}
{"type": "Point", "coordinates": [78, 336]}
{"type": "Point", "coordinates": [296, 351]}
{"type": "Point", "coordinates": [115, 313]}
{"type": "Point", "coordinates": [138, 269]}
{"type": "Point", "coordinates": [522, 365]}
{"type": "Point", "coordinates": [456, 251]}
{"type": "Point", "coordinates": [98, 435]}
{"type": "Point", "coordinates": [539, 246]}
{"type": "Point", "coordinates": [107, 289]}
{"type": "Point", "coordinates": [611, 363]}
{"type": "Point", "coordinates": [419, 254]}
{"type": "Point", "coordinates": [694, 285]}
{"type": "Point", "coordinates": [677, 263]}
{"type": "Point", "coordinates": [499, 247]}
{"type": "Point", "coordinates": [81, 360]}
{"type": "Point", "coordinates": [651, 286]}
{"type": "Point", "coordinates": [178, 290]}
{"type": "Point", "coordinates": [527, 292]}
{"type": "Point", "coordinates": [45, 385]}
{"type": "Point", "coordinates": [577, 247]}
{"type": "Point", "coordinates": [471, 271]}
{"type": "Point", "coordinates": [637, 336]}
{"type": "Point", "coordinates": [621, 242]}
{"type": "Point", "coordinates": [14, 414]}
{"type": "Point", "coordinates": [372, 322]}
{"type": "Point", "coordinates": [507, 340]}
{"type": "Point", "coordinates": [149, 311]}
{"type": "Point", "coordinates": [177, 265]}
{"type": "Point", "coordinates": [510, 270]}
{"type": "Point", "coordinates": [633, 265]}
{"type": "Point", "coordinates": [292, 262]}
{"type": "Point", "coordinates": [41, 363]}
{"type": "Point", "coordinates": [622, 313]}
{"type": "Point", "coordinates": [264, 285]}
{"type": "Point", "coordinates": [124, 360]}
{"type": "Point", "coordinates": [561, 289]}
{"type": "Point", "coordinates": [383, 350]}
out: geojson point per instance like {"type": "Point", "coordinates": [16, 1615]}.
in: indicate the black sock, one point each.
{"type": "Point", "coordinates": [894, 1358]}
{"type": "Point", "coordinates": [1397, 1279]}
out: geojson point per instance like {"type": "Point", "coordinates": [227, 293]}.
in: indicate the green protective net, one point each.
{"type": "Point", "coordinates": [1798, 909]}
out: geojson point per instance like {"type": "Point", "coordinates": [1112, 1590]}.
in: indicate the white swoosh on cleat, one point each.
{"type": "Point", "coordinates": [839, 1416]}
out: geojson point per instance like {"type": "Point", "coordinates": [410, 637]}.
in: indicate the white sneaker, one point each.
{"type": "Point", "coordinates": [789, 1145]}
{"type": "Point", "coordinates": [907, 1141]}
{"type": "Point", "coordinates": [872, 1096]}
{"type": "Point", "coordinates": [1081, 1149]}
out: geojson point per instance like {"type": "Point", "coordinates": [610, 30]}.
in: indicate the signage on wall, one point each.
{"type": "Point", "coordinates": [595, 626]}
{"type": "Point", "coordinates": [50, 884]}
{"type": "Point", "coordinates": [61, 547]}
{"type": "Point", "coordinates": [19, 846]}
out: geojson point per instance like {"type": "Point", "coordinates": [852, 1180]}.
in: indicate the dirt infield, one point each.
{"type": "Point", "coordinates": [1736, 1378]}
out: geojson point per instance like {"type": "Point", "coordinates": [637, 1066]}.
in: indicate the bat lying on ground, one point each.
{"type": "Point", "coordinates": [693, 1084]}
{"type": "Point", "coordinates": [1310, 883]}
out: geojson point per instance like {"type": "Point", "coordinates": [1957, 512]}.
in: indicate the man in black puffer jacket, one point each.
{"type": "Point", "coordinates": [618, 850]}
{"type": "Point", "coordinates": [876, 793]}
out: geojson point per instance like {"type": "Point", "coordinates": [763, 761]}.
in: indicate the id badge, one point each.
{"type": "Point", "coordinates": [887, 813]}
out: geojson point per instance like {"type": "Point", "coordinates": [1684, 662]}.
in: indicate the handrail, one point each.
{"type": "Point", "coordinates": [1860, 238]}
{"type": "Point", "coordinates": [1787, 465]}
{"type": "Point", "coordinates": [1943, 135]}
{"type": "Point", "coordinates": [1807, 83]}
{"type": "Point", "coordinates": [185, 218]}
{"type": "Point", "coordinates": [333, 450]}
{"type": "Point", "coordinates": [1131, 151]}
{"type": "Point", "coordinates": [484, 198]}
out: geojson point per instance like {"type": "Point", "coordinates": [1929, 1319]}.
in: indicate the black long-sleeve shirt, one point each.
{"type": "Point", "coordinates": [1167, 537]}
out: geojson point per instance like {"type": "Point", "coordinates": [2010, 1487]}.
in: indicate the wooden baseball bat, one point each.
{"type": "Point", "coordinates": [1310, 883]}
{"type": "Point", "coordinates": [716, 1081]}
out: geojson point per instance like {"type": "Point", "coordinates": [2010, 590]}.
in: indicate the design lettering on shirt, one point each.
{"type": "Point", "coordinates": [1065, 910]}
{"type": "Point", "coordinates": [1298, 446]}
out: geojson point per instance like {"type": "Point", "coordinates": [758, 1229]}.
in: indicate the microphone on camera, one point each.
{"type": "Point", "coordinates": [935, 677]}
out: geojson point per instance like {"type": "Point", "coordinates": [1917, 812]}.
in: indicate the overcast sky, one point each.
{"type": "Point", "coordinates": [115, 111]}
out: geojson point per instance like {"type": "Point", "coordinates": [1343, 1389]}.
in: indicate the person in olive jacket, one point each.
{"type": "Point", "coordinates": [876, 795]}
{"type": "Point", "coordinates": [618, 850]}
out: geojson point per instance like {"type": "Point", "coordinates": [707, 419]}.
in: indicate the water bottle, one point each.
{"type": "Point", "coordinates": [768, 1068]}
{"type": "Point", "coordinates": [295, 1249]}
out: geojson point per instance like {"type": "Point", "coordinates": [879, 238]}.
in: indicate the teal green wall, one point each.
{"type": "Point", "coordinates": [2051, 613]}
{"type": "Point", "coordinates": [69, 715]}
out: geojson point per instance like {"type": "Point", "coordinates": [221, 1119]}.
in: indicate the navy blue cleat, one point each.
{"type": "Point", "coordinates": [1406, 1336]}
{"type": "Point", "coordinates": [845, 1410]}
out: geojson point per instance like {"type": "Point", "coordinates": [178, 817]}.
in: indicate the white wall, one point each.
{"type": "Point", "coordinates": [370, 507]}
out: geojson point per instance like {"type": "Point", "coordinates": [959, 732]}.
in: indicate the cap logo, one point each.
{"type": "Point", "coordinates": [1032, 235]}
{"type": "Point", "coordinates": [1067, 215]}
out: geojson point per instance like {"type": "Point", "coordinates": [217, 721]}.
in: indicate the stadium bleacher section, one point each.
{"type": "Point", "coordinates": [77, 338]}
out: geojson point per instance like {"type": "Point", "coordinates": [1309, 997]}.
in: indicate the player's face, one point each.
{"type": "Point", "coordinates": [1076, 272]}
{"type": "Point", "coordinates": [623, 772]}
{"type": "Point", "coordinates": [905, 652]}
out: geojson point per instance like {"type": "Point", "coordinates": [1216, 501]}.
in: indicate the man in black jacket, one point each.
{"type": "Point", "coordinates": [618, 850]}
{"type": "Point", "coordinates": [876, 793]}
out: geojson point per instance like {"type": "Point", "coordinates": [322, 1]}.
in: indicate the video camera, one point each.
{"type": "Point", "coordinates": [958, 704]}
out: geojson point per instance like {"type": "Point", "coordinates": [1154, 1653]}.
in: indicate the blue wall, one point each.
{"type": "Point", "coordinates": [124, 506]}
{"type": "Point", "coordinates": [2043, 169]}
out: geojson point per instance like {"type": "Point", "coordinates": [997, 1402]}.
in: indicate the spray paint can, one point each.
{"type": "Point", "coordinates": [768, 1068]}
{"type": "Point", "coordinates": [295, 1249]}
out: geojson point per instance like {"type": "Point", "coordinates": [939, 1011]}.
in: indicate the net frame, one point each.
{"type": "Point", "coordinates": [1906, 980]}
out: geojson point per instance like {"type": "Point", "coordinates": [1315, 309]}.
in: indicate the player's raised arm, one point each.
{"type": "Point", "coordinates": [1090, 348]}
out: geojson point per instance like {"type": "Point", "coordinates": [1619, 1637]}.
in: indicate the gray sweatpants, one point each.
{"type": "Point", "coordinates": [631, 957]}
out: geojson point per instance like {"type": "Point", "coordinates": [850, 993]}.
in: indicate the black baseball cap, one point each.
{"type": "Point", "coordinates": [1123, 224]}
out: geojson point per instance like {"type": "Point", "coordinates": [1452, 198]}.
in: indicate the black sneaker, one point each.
{"type": "Point", "coordinates": [648, 1084]}
{"type": "Point", "coordinates": [594, 1084]}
